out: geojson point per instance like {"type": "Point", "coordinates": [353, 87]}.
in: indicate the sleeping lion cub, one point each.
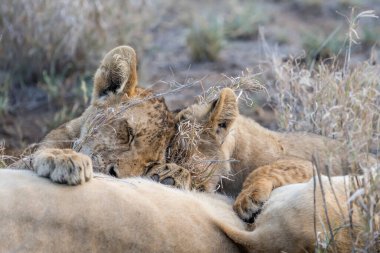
{"type": "Point", "coordinates": [262, 159]}
{"type": "Point", "coordinates": [123, 132]}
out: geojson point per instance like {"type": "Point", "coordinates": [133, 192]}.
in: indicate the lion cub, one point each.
{"type": "Point", "coordinates": [124, 131]}
{"type": "Point", "coordinates": [245, 158]}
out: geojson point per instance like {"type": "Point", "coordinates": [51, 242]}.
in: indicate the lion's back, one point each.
{"type": "Point", "coordinates": [106, 214]}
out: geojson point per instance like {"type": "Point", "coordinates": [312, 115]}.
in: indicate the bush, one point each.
{"type": "Point", "coordinates": [244, 22]}
{"type": "Point", "coordinates": [205, 40]}
{"type": "Point", "coordinates": [319, 47]}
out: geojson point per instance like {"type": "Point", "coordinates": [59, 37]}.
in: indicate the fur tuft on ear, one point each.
{"type": "Point", "coordinates": [116, 74]}
{"type": "Point", "coordinates": [224, 110]}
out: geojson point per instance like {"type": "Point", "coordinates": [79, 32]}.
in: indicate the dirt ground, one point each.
{"type": "Point", "coordinates": [165, 59]}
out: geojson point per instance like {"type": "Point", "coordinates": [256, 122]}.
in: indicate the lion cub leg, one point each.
{"type": "Point", "coordinates": [261, 182]}
{"type": "Point", "coordinates": [172, 175]}
{"type": "Point", "coordinates": [60, 165]}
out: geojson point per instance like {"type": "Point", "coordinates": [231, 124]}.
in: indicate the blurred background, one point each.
{"type": "Point", "coordinates": [49, 51]}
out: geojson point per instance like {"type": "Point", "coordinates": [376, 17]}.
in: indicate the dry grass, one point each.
{"type": "Point", "coordinates": [326, 102]}
{"type": "Point", "coordinates": [330, 100]}
{"type": "Point", "coordinates": [63, 37]}
{"type": "Point", "coordinates": [5, 160]}
{"type": "Point", "coordinates": [340, 102]}
{"type": "Point", "coordinates": [365, 194]}
{"type": "Point", "coordinates": [2, 158]}
{"type": "Point", "coordinates": [247, 86]}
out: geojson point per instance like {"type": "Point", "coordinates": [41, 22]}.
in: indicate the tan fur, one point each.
{"type": "Point", "coordinates": [137, 215]}
{"type": "Point", "coordinates": [109, 215]}
{"type": "Point", "coordinates": [123, 132]}
{"type": "Point", "coordinates": [273, 158]}
{"type": "Point", "coordinates": [286, 223]}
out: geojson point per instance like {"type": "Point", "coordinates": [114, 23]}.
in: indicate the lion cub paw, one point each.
{"type": "Point", "coordinates": [172, 175]}
{"type": "Point", "coordinates": [247, 206]}
{"type": "Point", "coordinates": [63, 166]}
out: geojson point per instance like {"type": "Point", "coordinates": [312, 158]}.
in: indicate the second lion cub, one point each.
{"type": "Point", "coordinates": [262, 159]}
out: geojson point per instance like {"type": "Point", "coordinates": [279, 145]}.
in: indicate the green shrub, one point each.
{"type": "Point", "coordinates": [244, 22]}
{"type": "Point", "coordinates": [205, 40]}
{"type": "Point", "coordinates": [320, 47]}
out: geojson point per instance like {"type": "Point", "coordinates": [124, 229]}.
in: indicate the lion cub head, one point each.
{"type": "Point", "coordinates": [125, 129]}
{"type": "Point", "coordinates": [200, 142]}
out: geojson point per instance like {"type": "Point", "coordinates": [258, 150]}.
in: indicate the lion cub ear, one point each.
{"type": "Point", "coordinates": [224, 110]}
{"type": "Point", "coordinates": [116, 74]}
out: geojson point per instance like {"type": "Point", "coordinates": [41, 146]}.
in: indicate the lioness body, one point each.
{"type": "Point", "coordinates": [137, 215]}
{"type": "Point", "coordinates": [109, 215]}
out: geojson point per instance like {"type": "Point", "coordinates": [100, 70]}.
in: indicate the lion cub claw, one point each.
{"type": "Point", "coordinates": [247, 206]}
{"type": "Point", "coordinates": [172, 175]}
{"type": "Point", "coordinates": [63, 166]}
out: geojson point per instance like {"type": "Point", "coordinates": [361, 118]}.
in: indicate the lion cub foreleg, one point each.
{"type": "Point", "coordinates": [63, 166]}
{"type": "Point", "coordinates": [56, 160]}
{"type": "Point", "coordinates": [261, 182]}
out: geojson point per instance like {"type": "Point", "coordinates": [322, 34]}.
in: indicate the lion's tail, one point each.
{"type": "Point", "coordinates": [246, 239]}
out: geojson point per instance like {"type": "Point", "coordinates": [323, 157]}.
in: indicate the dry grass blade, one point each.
{"type": "Point", "coordinates": [247, 85]}
{"type": "Point", "coordinates": [5, 160]}
{"type": "Point", "coordinates": [365, 194]}
{"type": "Point", "coordinates": [352, 35]}
{"type": "Point", "coordinates": [330, 238]}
